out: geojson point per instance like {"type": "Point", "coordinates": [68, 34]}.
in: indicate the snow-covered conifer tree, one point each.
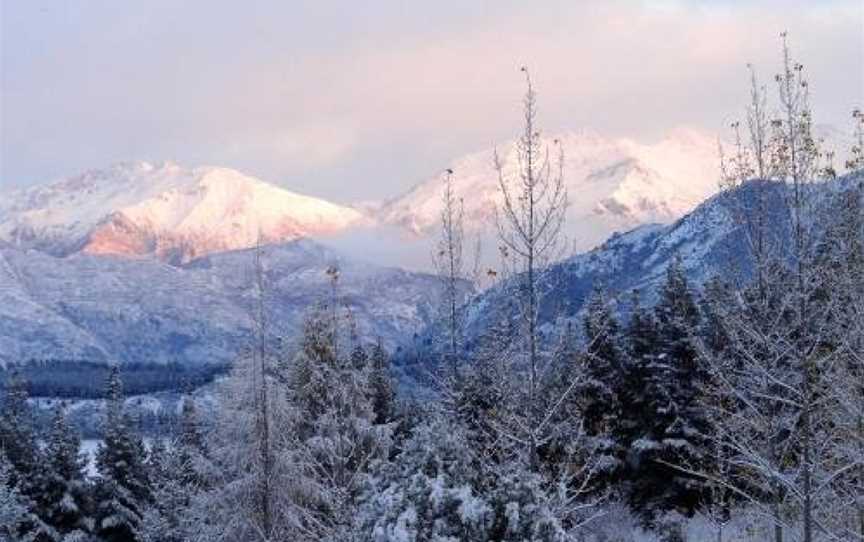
{"type": "Point", "coordinates": [62, 500]}
{"type": "Point", "coordinates": [123, 489]}
{"type": "Point", "coordinates": [16, 519]}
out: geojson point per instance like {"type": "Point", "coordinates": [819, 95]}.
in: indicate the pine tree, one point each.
{"type": "Point", "coordinates": [17, 438]}
{"type": "Point", "coordinates": [22, 457]}
{"type": "Point", "coordinates": [680, 365]}
{"type": "Point", "coordinates": [381, 385]}
{"type": "Point", "coordinates": [123, 490]}
{"type": "Point", "coordinates": [191, 448]}
{"type": "Point", "coordinates": [335, 438]}
{"type": "Point", "coordinates": [231, 505]}
{"type": "Point", "coordinates": [603, 366]}
{"type": "Point", "coordinates": [181, 474]}
{"type": "Point", "coordinates": [62, 500]}
{"type": "Point", "coordinates": [671, 427]}
{"type": "Point", "coordinates": [16, 520]}
{"type": "Point", "coordinates": [359, 357]}
{"type": "Point", "coordinates": [591, 413]}
{"type": "Point", "coordinates": [633, 392]}
{"type": "Point", "coordinates": [432, 490]}
{"type": "Point", "coordinates": [856, 153]}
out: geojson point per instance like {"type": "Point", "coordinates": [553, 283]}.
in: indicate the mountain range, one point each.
{"type": "Point", "coordinates": [178, 214]}
{"type": "Point", "coordinates": [151, 264]}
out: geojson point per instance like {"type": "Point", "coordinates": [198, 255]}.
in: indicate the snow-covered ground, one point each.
{"type": "Point", "coordinates": [88, 451]}
{"type": "Point", "coordinates": [89, 447]}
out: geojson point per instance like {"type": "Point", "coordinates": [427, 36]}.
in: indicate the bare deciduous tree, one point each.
{"type": "Point", "coordinates": [529, 221]}
{"type": "Point", "coordinates": [449, 263]}
{"type": "Point", "coordinates": [773, 399]}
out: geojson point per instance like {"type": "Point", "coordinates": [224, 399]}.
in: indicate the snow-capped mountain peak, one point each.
{"type": "Point", "coordinates": [176, 213]}
{"type": "Point", "coordinates": [614, 184]}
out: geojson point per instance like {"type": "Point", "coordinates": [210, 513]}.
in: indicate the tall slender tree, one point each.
{"type": "Point", "coordinates": [776, 366]}
{"type": "Point", "coordinates": [529, 220]}
{"type": "Point", "coordinates": [449, 263]}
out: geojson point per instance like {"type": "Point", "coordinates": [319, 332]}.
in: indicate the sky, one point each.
{"type": "Point", "coordinates": [355, 101]}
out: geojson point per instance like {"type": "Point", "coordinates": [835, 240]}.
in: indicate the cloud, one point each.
{"type": "Point", "coordinates": [304, 147]}
{"type": "Point", "coordinates": [359, 102]}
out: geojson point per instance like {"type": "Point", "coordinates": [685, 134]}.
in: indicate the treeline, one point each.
{"type": "Point", "coordinates": [76, 379]}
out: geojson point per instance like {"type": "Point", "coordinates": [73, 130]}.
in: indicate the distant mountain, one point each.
{"type": "Point", "coordinates": [174, 213]}
{"type": "Point", "coordinates": [99, 308]}
{"type": "Point", "coordinates": [709, 241]}
{"type": "Point", "coordinates": [613, 185]}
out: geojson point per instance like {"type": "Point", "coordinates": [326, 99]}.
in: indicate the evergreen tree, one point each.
{"type": "Point", "coordinates": [438, 489]}
{"type": "Point", "coordinates": [190, 449]}
{"type": "Point", "coordinates": [381, 385]}
{"type": "Point", "coordinates": [856, 153]}
{"type": "Point", "coordinates": [478, 398]}
{"type": "Point", "coordinates": [176, 481]}
{"type": "Point", "coordinates": [641, 342]}
{"type": "Point", "coordinates": [336, 439]}
{"type": "Point", "coordinates": [15, 517]}
{"type": "Point", "coordinates": [23, 459]}
{"type": "Point", "coordinates": [668, 435]}
{"type": "Point", "coordinates": [680, 367]}
{"type": "Point", "coordinates": [251, 473]}
{"type": "Point", "coordinates": [359, 357]}
{"type": "Point", "coordinates": [600, 392]}
{"type": "Point", "coordinates": [123, 489]}
{"type": "Point", "coordinates": [603, 366]}
{"type": "Point", "coordinates": [17, 438]}
{"type": "Point", "coordinates": [432, 491]}
{"type": "Point", "coordinates": [62, 501]}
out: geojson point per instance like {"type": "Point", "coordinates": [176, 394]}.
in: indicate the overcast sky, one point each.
{"type": "Point", "coordinates": [359, 100]}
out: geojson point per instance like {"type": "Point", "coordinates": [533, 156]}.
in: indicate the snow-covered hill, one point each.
{"type": "Point", "coordinates": [175, 213]}
{"type": "Point", "coordinates": [100, 308]}
{"type": "Point", "coordinates": [613, 185]}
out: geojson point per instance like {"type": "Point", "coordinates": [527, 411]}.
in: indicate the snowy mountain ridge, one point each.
{"type": "Point", "coordinates": [175, 213]}
{"type": "Point", "coordinates": [614, 184]}
{"type": "Point", "coordinates": [709, 241]}
{"type": "Point", "coordinates": [178, 214]}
